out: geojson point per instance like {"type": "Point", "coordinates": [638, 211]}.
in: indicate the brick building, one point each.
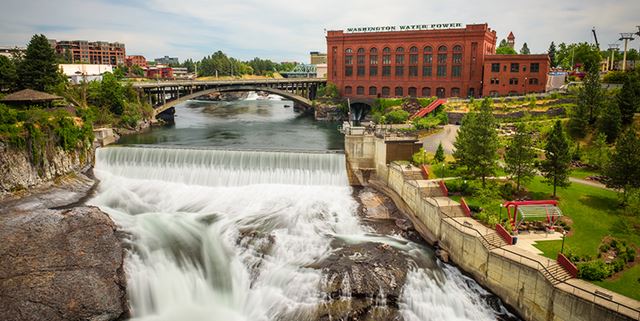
{"type": "Point", "coordinates": [136, 60]}
{"type": "Point", "coordinates": [515, 74]}
{"type": "Point", "coordinates": [85, 52]}
{"type": "Point", "coordinates": [444, 60]}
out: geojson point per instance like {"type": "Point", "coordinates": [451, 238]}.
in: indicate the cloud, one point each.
{"type": "Point", "coordinates": [288, 30]}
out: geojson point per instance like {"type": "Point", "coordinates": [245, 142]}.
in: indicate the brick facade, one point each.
{"type": "Point", "coordinates": [99, 52]}
{"type": "Point", "coordinates": [136, 60]}
{"type": "Point", "coordinates": [515, 74]}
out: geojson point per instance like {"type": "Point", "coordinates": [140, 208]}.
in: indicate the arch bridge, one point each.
{"type": "Point", "coordinates": [164, 95]}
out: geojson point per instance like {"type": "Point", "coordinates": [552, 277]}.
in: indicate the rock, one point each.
{"type": "Point", "coordinates": [61, 265]}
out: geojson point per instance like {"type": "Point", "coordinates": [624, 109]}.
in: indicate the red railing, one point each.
{"type": "Point", "coordinates": [425, 171]}
{"type": "Point", "coordinates": [465, 207]}
{"type": "Point", "coordinates": [504, 234]}
{"type": "Point", "coordinates": [443, 188]}
{"type": "Point", "coordinates": [567, 265]}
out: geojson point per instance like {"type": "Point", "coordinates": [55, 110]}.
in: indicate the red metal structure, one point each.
{"type": "Point", "coordinates": [425, 171]}
{"type": "Point", "coordinates": [465, 207]}
{"type": "Point", "coordinates": [431, 107]}
{"type": "Point", "coordinates": [443, 188]}
{"type": "Point", "coordinates": [549, 207]}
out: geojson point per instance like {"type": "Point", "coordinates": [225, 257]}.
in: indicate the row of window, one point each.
{"type": "Point", "coordinates": [427, 59]}
{"type": "Point", "coordinates": [515, 67]}
{"type": "Point", "coordinates": [399, 91]}
{"type": "Point", "coordinates": [514, 81]}
{"type": "Point", "coordinates": [441, 71]}
{"type": "Point", "coordinates": [414, 49]}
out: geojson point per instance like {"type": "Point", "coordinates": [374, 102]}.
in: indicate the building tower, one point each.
{"type": "Point", "coordinates": [511, 40]}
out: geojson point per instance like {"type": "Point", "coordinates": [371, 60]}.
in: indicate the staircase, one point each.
{"type": "Point", "coordinates": [556, 273]}
{"type": "Point", "coordinates": [412, 175]}
{"type": "Point", "coordinates": [424, 111]}
{"type": "Point", "coordinates": [493, 240]}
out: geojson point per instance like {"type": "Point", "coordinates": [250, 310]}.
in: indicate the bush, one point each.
{"type": "Point", "coordinates": [614, 77]}
{"type": "Point", "coordinates": [397, 117]}
{"type": "Point", "coordinates": [421, 157]}
{"type": "Point", "coordinates": [593, 271]}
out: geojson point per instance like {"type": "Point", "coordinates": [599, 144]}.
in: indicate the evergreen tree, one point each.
{"type": "Point", "coordinates": [525, 49]}
{"type": "Point", "coordinates": [552, 54]}
{"type": "Point", "coordinates": [477, 142]}
{"type": "Point", "coordinates": [623, 170]}
{"type": "Point", "coordinates": [520, 156]}
{"type": "Point", "coordinates": [8, 74]}
{"type": "Point", "coordinates": [38, 69]}
{"type": "Point", "coordinates": [628, 99]}
{"type": "Point", "coordinates": [555, 168]}
{"type": "Point", "coordinates": [439, 156]}
{"type": "Point", "coordinates": [610, 121]}
{"type": "Point", "coordinates": [503, 43]}
{"type": "Point", "coordinates": [598, 153]}
{"type": "Point", "coordinates": [591, 95]}
{"type": "Point", "coordinates": [578, 120]}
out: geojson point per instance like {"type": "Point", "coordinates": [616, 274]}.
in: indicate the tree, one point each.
{"type": "Point", "coordinates": [8, 74]}
{"type": "Point", "coordinates": [439, 156]}
{"type": "Point", "coordinates": [525, 49]}
{"type": "Point", "coordinates": [38, 69]}
{"type": "Point", "coordinates": [107, 94]}
{"type": "Point", "coordinates": [610, 121]}
{"type": "Point", "coordinates": [555, 168]}
{"type": "Point", "coordinates": [572, 55]}
{"type": "Point", "coordinates": [477, 142]}
{"type": "Point", "coordinates": [628, 99]}
{"type": "Point", "coordinates": [552, 54]}
{"type": "Point", "coordinates": [520, 156]}
{"type": "Point", "coordinates": [137, 70]}
{"type": "Point", "coordinates": [591, 95]}
{"type": "Point", "coordinates": [623, 170]}
{"type": "Point", "coordinates": [598, 153]}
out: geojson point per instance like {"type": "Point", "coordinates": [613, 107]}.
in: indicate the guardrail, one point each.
{"type": "Point", "coordinates": [567, 265]}
{"type": "Point", "coordinates": [541, 268]}
{"type": "Point", "coordinates": [425, 171]}
{"type": "Point", "coordinates": [443, 188]}
{"type": "Point", "coordinates": [504, 234]}
{"type": "Point", "coordinates": [465, 207]}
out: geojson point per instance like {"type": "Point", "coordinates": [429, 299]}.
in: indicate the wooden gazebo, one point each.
{"type": "Point", "coordinates": [28, 97]}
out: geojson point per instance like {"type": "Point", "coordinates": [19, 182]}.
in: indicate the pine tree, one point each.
{"type": "Point", "coordinates": [38, 69]}
{"type": "Point", "coordinates": [591, 95]}
{"type": "Point", "coordinates": [503, 43]}
{"type": "Point", "coordinates": [439, 156]}
{"type": "Point", "coordinates": [520, 157]}
{"type": "Point", "coordinates": [552, 54]}
{"type": "Point", "coordinates": [477, 142]}
{"type": "Point", "coordinates": [525, 49]}
{"type": "Point", "coordinates": [628, 100]}
{"type": "Point", "coordinates": [610, 121]}
{"type": "Point", "coordinates": [8, 74]}
{"type": "Point", "coordinates": [598, 153]}
{"type": "Point", "coordinates": [623, 170]}
{"type": "Point", "coordinates": [578, 120]}
{"type": "Point", "coordinates": [555, 168]}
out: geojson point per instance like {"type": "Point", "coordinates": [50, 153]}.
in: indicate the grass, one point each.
{"type": "Point", "coordinates": [582, 173]}
{"type": "Point", "coordinates": [627, 283]}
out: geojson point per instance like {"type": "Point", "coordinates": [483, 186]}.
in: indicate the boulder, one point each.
{"type": "Point", "coordinates": [61, 265]}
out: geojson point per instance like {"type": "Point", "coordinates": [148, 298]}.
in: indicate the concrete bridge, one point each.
{"type": "Point", "coordinates": [165, 95]}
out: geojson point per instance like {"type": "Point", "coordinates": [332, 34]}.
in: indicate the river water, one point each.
{"type": "Point", "coordinates": [234, 233]}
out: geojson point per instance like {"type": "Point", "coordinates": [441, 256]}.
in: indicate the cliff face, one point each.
{"type": "Point", "coordinates": [60, 265]}
{"type": "Point", "coordinates": [17, 172]}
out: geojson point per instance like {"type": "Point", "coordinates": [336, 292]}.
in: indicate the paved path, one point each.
{"type": "Point", "coordinates": [447, 137]}
{"type": "Point", "coordinates": [590, 183]}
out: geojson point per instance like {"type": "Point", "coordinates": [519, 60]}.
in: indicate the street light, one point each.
{"type": "Point", "coordinates": [564, 233]}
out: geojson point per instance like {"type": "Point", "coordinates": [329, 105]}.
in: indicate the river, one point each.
{"type": "Point", "coordinates": [227, 226]}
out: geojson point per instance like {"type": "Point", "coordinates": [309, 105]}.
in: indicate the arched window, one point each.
{"type": "Point", "coordinates": [348, 51]}
{"type": "Point", "coordinates": [413, 56]}
{"type": "Point", "coordinates": [413, 91]}
{"type": "Point", "coordinates": [457, 56]}
{"type": "Point", "coordinates": [361, 51]}
{"type": "Point", "coordinates": [348, 57]}
{"type": "Point", "coordinates": [373, 56]}
{"type": "Point", "coordinates": [359, 90]}
{"type": "Point", "coordinates": [442, 49]}
{"type": "Point", "coordinates": [399, 92]}
{"type": "Point", "coordinates": [440, 92]}
{"type": "Point", "coordinates": [428, 49]}
{"type": "Point", "coordinates": [348, 90]}
{"type": "Point", "coordinates": [386, 56]}
{"type": "Point", "coordinates": [442, 61]}
{"type": "Point", "coordinates": [457, 48]}
{"type": "Point", "coordinates": [373, 51]}
{"type": "Point", "coordinates": [373, 90]}
{"type": "Point", "coordinates": [386, 91]}
{"type": "Point", "coordinates": [426, 92]}
{"type": "Point", "coordinates": [360, 57]}
{"type": "Point", "coordinates": [399, 50]}
{"type": "Point", "coordinates": [455, 92]}
{"type": "Point", "coordinates": [399, 56]}
{"type": "Point", "coordinates": [386, 50]}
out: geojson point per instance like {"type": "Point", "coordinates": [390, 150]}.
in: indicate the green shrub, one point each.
{"type": "Point", "coordinates": [397, 116]}
{"type": "Point", "coordinates": [594, 270]}
{"type": "Point", "coordinates": [421, 157]}
{"type": "Point", "coordinates": [614, 77]}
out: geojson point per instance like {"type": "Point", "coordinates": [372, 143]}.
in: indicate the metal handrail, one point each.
{"type": "Point", "coordinates": [520, 256]}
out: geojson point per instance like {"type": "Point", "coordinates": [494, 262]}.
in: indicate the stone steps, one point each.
{"type": "Point", "coordinates": [556, 274]}
{"type": "Point", "coordinates": [492, 241]}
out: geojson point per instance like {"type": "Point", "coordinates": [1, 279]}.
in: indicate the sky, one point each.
{"type": "Point", "coordinates": [286, 30]}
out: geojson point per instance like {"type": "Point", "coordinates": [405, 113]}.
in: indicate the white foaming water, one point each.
{"type": "Point", "coordinates": [252, 95]}
{"type": "Point", "coordinates": [221, 235]}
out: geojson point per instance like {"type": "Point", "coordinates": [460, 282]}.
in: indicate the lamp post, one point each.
{"type": "Point", "coordinates": [564, 233]}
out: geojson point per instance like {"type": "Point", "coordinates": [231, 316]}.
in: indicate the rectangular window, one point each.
{"type": "Point", "coordinates": [515, 67]}
{"type": "Point", "coordinates": [456, 71]}
{"type": "Point", "coordinates": [442, 58]}
{"type": "Point", "coordinates": [399, 71]}
{"type": "Point", "coordinates": [373, 71]}
{"type": "Point", "coordinates": [457, 58]}
{"type": "Point", "coordinates": [427, 59]}
{"type": "Point", "coordinates": [360, 71]}
{"type": "Point", "coordinates": [513, 81]}
{"type": "Point", "coordinates": [413, 59]}
{"type": "Point", "coordinates": [348, 71]}
{"type": "Point", "coordinates": [386, 71]}
{"type": "Point", "coordinates": [495, 67]}
{"type": "Point", "coordinates": [535, 67]}
{"type": "Point", "coordinates": [386, 59]}
{"type": "Point", "coordinates": [399, 59]}
{"type": "Point", "coordinates": [495, 81]}
{"type": "Point", "coordinates": [426, 71]}
{"type": "Point", "coordinates": [348, 60]}
{"type": "Point", "coordinates": [413, 71]}
{"type": "Point", "coordinates": [442, 71]}
{"type": "Point", "coordinates": [373, 60]}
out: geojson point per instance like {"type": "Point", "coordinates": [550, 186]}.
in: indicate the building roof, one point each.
{"type": "Point", "coordinates": [29, 96]}
{"type": "Point", "coordinates": [511, 36]}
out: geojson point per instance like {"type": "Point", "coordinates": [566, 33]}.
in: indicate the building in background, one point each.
{"type": "Point", "coordinates": [444, 60]}
{"type": "Point", "coordinates": [166, 60]}
{"type": "Point", "coordinates": [78, 73]}
{"type": "Point", "coordinates": [136, 60]}
{"type": "Point", "coordinates": [11, 52]}
{"type": "Point", "coordinates": [159, 72]}
{"type": "Point", "coordinates": [86, 52]}
{"type": "Point", "coordinates": [317, 58]}
{"type": "Point", "coordinates": [515, 74]}
{"type": "Point", "coordinates": [180, 73]}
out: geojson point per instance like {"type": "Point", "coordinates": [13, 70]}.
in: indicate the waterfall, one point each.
{"type": "Point", "coordinates": [231, 235]}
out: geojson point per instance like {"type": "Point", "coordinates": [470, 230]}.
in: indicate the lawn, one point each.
{"type": "Point", "coordinates": [627, 283]}
{"type": "Point", "coordinates": [582, 173]}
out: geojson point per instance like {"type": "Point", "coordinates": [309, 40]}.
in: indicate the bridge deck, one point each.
{"type": "Point", "coordinates": [235, 82]}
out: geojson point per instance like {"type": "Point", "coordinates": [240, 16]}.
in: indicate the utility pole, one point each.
{"type": "Point", "coordinates": [626, 36]}
{"type": "Point", "coordinates": [613, 47]}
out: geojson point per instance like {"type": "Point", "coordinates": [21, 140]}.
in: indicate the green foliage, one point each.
{"type": "Point", "coordinates": [598, 153]}
{"type": "Point", "coordinates": [594, 270]}
{"type": "Point", "coordinates": [520, 156]}
{"type": "Point", "coordinates": [552, 54]}
{"type": "Point", "coordinates": [623, 170]}
{"type": "Point", "coordinates": [610, 121]}
{"type": "Point", "coordinates": [555, 168]}
{"type": "Point", "coordinates": [438, 117]}
{"type": "Point", "coordinates": [477, 142]}
{"type": "Point", "coordinates": [628, 99]}
{"type": "Point", "coordinates": [525, 49]}
{"type": "Point", "coordinates": [591, 95]}
{"type": "Point", "coordinates": [439, 156]}
{"type": "Point", "coordinates": [331, 91]}
{"type": "Point", "coordinates": [506, 51]}
{"type": "Point", "coordinates": [8, 74]}
{"type": "Point", "coordinates": [426, 101]}
{"type": "Point", "coordinates": [614, 77]}
{"type": "Point", "coordinates": [583, 53]}
{"type": "Point", "coordinates": [137, 71]}
{"type": "Point", "coordinates": [223, 65]}
{"type": "Point", "coordinates": [38, 69]}
{"type": "Point", "coordinates": [421, 157]}
{"type": "Point", "coordinates": [398, 116]}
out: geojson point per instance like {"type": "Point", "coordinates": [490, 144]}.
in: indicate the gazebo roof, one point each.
{"type": "Point", "coordinates": [29, 96]}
